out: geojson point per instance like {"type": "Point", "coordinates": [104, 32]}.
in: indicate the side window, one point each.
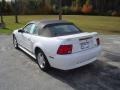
{"type": "Point", "coordinates": [27, 28]}
{"type": "Point", "coordinates": [45, 32]}
{"type": "Point", "coordinates": [35, 31]}
{"type": "Point", "coordinates": [30, 28]}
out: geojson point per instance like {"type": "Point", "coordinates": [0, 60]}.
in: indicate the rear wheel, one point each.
{"type": "Point", "coordinates": [42, 61]}
{"type": "Point", "coordinates": [15, 42]}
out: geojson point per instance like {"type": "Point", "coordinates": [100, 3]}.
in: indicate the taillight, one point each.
{"type": "Point", "coordinates": [98, 41]}
{"type": "Point", "coordinates": [64, 49]}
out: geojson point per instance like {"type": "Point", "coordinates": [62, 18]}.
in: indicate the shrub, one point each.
{"type": "Point", "coordinates": [87, 8]}
{"type": "Point", "coordinates": [66, 10]}
{"type": "Point", "coordinates": [46, 9]}
{"type": "Point", "coordinates": [75, 9]}
{"type": "Point", "coordinates": [114, 13]}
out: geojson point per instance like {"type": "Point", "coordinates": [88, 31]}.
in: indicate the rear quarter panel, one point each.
{"type": "Point", "coordinates": [48, 45]}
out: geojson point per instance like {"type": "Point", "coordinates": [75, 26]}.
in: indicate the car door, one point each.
{"type": "Point", "coordinates": [27, 36]}
{"type": "Point", "coordinates": [19, 38]}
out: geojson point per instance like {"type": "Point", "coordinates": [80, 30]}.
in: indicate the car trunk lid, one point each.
{"type": "Point", "coordinates": [80, 42]}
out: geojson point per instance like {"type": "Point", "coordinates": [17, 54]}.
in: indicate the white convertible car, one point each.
{"type": "Point", "coordinates": [57, 43]}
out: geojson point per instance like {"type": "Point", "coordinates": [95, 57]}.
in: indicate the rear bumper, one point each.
{"type": "Point", "coordinates": [67, 62]}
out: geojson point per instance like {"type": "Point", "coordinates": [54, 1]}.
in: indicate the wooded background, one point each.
{"type": "Point", "coordinates": [92, 7]}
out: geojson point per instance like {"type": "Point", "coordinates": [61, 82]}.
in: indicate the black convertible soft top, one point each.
{"type": "Point", "coordinates": [44, 23]}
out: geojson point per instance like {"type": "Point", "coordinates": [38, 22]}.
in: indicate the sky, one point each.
{"type": "Point", "coordinates": [8, 0]}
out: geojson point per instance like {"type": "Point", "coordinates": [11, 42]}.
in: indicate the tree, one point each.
{"type": "Point", "coordinates": [15, 6]}
{"type": "Point", "coordinates": [32, 6]}
{"type": "Point", "coordinates": [77, 3]}
{"type": "Point", "coordinates": [60, 9]}
{"type": "Point", "coordinates": [2, 5]}
{"type": "Point", "coordinates": [1, 17]}
{"type": "Point", "coordinates": [8, 9]}
{"type": "Point", "coordinates": [87, 7]}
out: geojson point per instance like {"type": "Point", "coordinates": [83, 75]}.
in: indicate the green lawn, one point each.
{"type": "Point", "coordinates": [101, 24]}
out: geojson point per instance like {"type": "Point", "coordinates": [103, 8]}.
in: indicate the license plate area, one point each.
{"type": "Point", "coordinates": [85, 43]}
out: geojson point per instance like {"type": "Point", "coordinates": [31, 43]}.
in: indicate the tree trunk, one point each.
{"type": "Point", "coordinates": [1, 19]}
{"type": "Point", "coordinates": [2, 9]}
{"type": "Point", "coordinates": [60, 9]}
{"type": "Point", "coordinates": [16, 12]}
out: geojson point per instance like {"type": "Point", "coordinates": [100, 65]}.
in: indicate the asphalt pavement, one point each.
{"type": "Point", "coordinates": [18, 71]}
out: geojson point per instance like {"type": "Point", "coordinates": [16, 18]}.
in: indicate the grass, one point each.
{"type": "Point", "coordinates": [101, 24]}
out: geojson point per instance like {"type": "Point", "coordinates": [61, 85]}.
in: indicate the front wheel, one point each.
{"type": "Point", "coordinates": [42, 61]}
{"type": "Point", "coordinates": [15, 42]}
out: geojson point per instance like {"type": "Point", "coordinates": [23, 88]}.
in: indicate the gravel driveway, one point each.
{"type": "Point", "coordinates": [19, 72]}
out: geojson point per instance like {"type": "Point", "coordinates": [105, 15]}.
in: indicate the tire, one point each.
{"type": "Point", "coordinates": [15, 42]}
{"type": "Point", "coordinates": [42, 61]}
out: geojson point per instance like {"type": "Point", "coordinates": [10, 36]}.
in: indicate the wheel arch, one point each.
{"type": "Point", "coordinates": [13, 35]}
{"type": "Point", "coordinates": [36, 50]}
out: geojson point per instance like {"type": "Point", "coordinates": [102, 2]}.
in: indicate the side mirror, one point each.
{"type": "Point", "coordinates": [21, 31]}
